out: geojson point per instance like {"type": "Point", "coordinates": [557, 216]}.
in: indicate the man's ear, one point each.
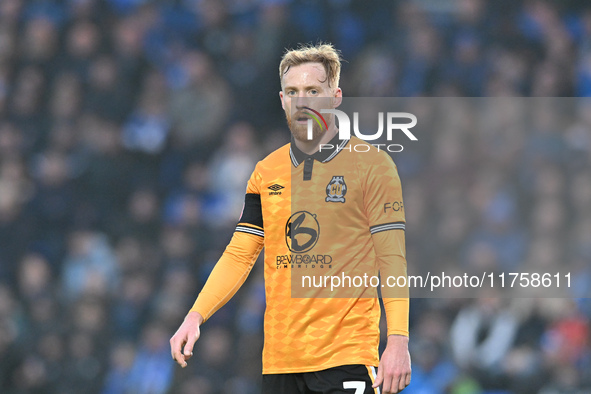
{"type": "Point", "coordinates": [338, 98]}
{"type": "Point", "coordinates": [281, 98]}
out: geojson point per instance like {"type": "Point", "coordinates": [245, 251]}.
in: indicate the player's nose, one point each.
{"type": "Point", "coordinates": [301, 101]}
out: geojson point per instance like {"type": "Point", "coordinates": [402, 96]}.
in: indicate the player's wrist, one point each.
{"type": "Point", "coordinates": [397, 339]}
{"type": "Point", "coordinates": [195, 316]}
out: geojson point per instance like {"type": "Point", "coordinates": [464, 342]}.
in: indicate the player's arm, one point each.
{"type": "Point", "coordinates": [228, 275]}
{"type": "Point", "coordinates": [385, 211]}
{"type": "Point", "coordinates": [394, 370]}
{"type": "Point", "coordinates": [236, 262]}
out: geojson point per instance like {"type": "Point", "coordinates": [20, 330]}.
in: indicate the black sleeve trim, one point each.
{"type": "Point", "coordinates": [252, 212]}
{"type": "Point", "coordinates": [387, 226]}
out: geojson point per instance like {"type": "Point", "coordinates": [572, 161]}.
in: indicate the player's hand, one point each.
{"type": "Point", "coordinates": [394, 369]}
{"type": "Point", "coordinates": [182, 342]}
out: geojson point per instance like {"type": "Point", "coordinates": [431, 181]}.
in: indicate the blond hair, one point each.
{"type": "Point", "coordinates": [325, 54]}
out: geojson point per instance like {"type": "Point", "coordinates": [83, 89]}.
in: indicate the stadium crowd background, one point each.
{"type": "Point", "coordinates": [128, 129]}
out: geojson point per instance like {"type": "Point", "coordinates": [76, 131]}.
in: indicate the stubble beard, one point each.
{"type": "Point", "coordinates": [300, 131]}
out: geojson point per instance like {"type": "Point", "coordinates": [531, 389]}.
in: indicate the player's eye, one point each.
{"type": "Point", "coordinates": [291, 93]}
{"type": "Point", "coordinates": [314, 92]}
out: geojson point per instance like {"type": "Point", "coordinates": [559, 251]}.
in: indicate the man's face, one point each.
{"type": "Point", "coordinates": [301, 87]}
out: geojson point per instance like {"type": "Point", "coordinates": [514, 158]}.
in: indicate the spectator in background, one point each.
{"type": "Point", "coordinates": [106, 95]}
{"type": "Point", "coordinates": [143, 216]}
{"type": "Point", "coordinates": [26, 108]}
{"type": "Point", "coordinates": [199, 102]}
{"type": "Point", "coordinates": [121, 361]}
{"type": "Point", "coordinates": [147, 129]}
{"type": "Point", "coordinates": [40, 45]}
{"type": "Point", "coordinates": [152, 371]}
{"type": "Point", "coordinates": [83, 41]}
{"type": "Point", "coordinates": [481, 337]}
{"type": "Point", "coordinates": [230, 169]}
{"type": "Point", "coordinates": [90, 266]}
{"type": "Point", "coordinates": [65, 97]}
{"type": "Point", "coordinates": [84, 365]}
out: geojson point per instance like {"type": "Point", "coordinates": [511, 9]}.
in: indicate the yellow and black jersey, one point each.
{"type": "Point", "coordinates": [339, 211]}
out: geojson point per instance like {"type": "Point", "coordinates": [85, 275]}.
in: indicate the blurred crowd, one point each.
{"type": "Point", "coordinates": [128, 129]}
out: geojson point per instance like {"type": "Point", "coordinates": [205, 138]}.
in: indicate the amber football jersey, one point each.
{"type": "Point", "coordinates": [338, 212]}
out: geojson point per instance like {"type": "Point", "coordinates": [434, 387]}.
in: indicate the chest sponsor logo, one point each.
{"type": "Point", "coordinates": [336, 189]}
{"type": "Point", "coordinates": [275, 189]}
{"type": "Point", "coordinates": [302, 232]}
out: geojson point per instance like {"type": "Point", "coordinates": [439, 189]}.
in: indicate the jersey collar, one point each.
{"type": "Point", "coordinates": [326, 155]}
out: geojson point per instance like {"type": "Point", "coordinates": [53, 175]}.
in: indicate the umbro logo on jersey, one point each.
{"type": "Point", "coordinates": [275, 189]}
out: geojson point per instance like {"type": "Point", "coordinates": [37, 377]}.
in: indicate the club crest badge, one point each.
{"type": "Point", "coordinates": [336, 189]}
